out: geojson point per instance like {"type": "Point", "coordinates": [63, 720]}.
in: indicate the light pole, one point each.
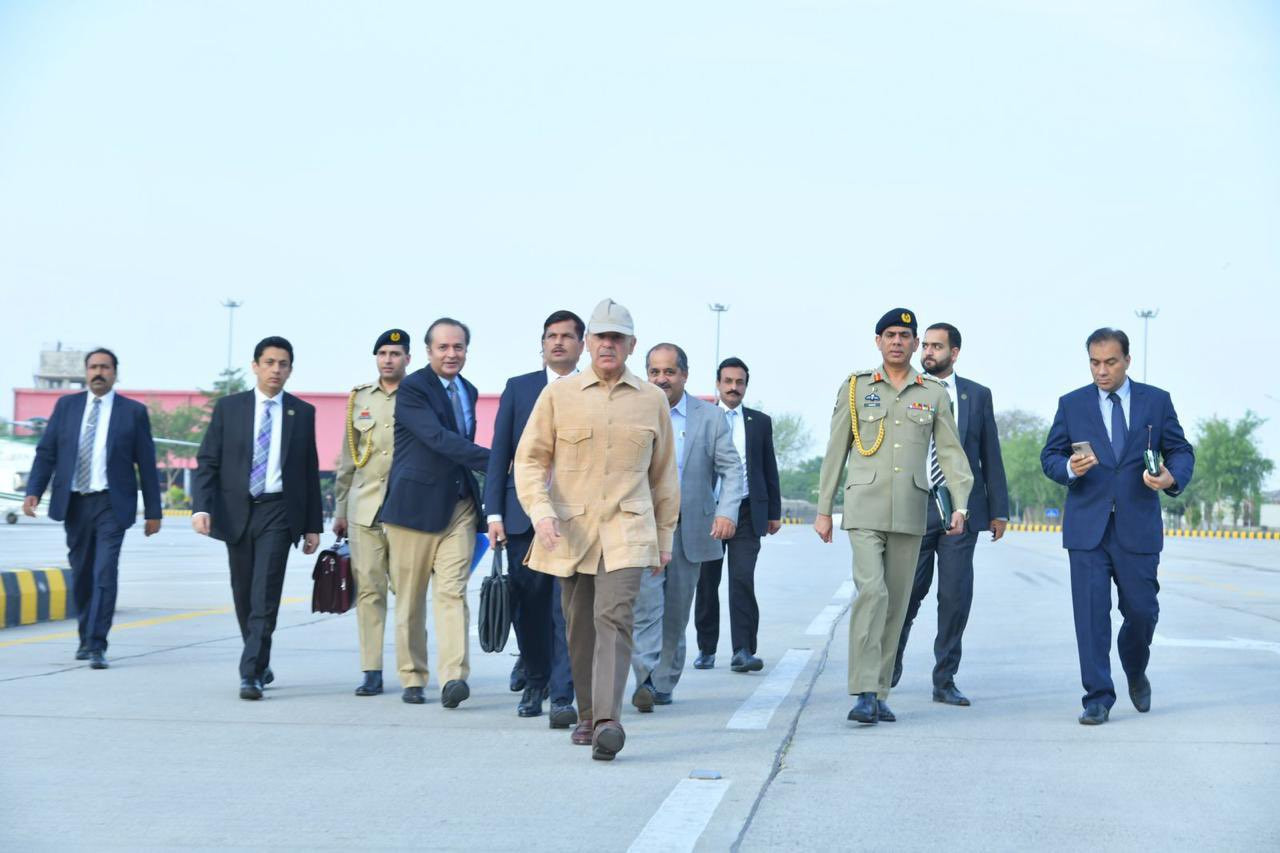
{"type": "Point", "coordinates": [1147, 315]}
{"type": "Point", "coordinates": [231, 305]}
{"type": "Point", "coordinates": [719, 309]}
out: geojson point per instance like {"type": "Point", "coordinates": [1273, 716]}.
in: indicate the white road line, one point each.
{"type": "Point", "coordinates": [683, 815]}
{"type": "Point", "coordinates": [1235, 643]}
{"type": "Point", "coordinates": [822, 623]}
{"type": "Point", "coordinates": [758, 709]}
{"type": "Point", "coordinates": [844, 593]}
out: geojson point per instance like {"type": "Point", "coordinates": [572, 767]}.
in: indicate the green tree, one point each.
{"type": "Point", "coordinates": [1230, 470]}
{"type": "Point", "coordinates": [177, 433]}
{"type": "Point", "coordinates": [791, 440]}
{"type": "Point", "coordinates": [801, 482]}
{"type": "Point", "coordinates": [1022, 436]}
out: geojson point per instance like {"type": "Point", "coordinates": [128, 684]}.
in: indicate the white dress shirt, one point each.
{"type": "Point", "coordinates": [738, 432]}
{"type": "Point", "coordinates": [98, 467]}
{"type": "Point", "coordinates": [679, 419]}
{"type": "Point", "coordinates": [275, 480]}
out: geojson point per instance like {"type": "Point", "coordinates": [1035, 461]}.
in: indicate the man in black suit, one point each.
{"type": "Point", "coordinates": [257, 488]}
{"type": "Point", "coordinates": [90, 448]}
{"type": "Point", "coordinates": [759, 514]}
{"type": "Point", "coordinates": [538, 618]}
{"type": "Point", "coordinates": [988, 510]}
{"type": "Point", "coordinates": [432, 513]}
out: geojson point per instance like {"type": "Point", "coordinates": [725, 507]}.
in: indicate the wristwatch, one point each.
{"type": "Point", "coordinates": [964, 513]}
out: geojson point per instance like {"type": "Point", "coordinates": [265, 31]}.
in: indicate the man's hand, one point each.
{"type": "Point", "coordinates": [497, 534]}
{"type": "Point", "coordinates": [548, 530]}
{"type": "Point", "coordinates": [1080, 464]}
{"type": "Point", "coordinates": [29, 504]}
{"type": "Point", "coordinates": [1160, 482]}
{"type": "Point", "coordinates": [664, 557]}
{"type": "Point", "coordinates": [957, 524]}
{"type": "Point", "coordinates": [723, 528]}
{"type": "Point", "coordinates": [310, 542]}
{"type": "Point", "coordinates": [775, 524]}
{"type": "Point", "coordinates": [151, 527]}
{"type": "Point", "coordinates": [200, 523]}
{"type": "Point", "coordinates": [997, 528]}
{"type": "Point", "coordinates": [822, 525]}
{"type": "Point", "coordinates": [340, 527]}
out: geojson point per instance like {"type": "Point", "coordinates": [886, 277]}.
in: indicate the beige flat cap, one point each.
{"type": "Point", "coordinates": [609, 316]}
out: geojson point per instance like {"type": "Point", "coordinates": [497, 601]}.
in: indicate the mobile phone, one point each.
{"type": "Point", "coordinates": [1081, 448]}
{"type": "Point", "coordinates": [1153, 467]}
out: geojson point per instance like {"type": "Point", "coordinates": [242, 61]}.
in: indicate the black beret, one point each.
{"type": "Point", "coordinates": [897, 317]}
{"type": "Point", "coordinates": [399, 337]}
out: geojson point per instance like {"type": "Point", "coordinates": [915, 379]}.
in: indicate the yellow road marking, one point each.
{"type": "Point", "coordinates": [139, 623]}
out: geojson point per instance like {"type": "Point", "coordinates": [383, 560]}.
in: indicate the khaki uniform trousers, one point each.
{"type": "Point", "coordinates": [884, 568]}
{"type": "Point", "coordinates": [419, 559]}
{"type": "Point", "coordinates": [599, 612]}
{"type": "Point", "coordinates": [370, 557]}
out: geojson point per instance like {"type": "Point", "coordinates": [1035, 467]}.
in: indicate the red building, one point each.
{"type": "Point", "coordinates": [331, 411]}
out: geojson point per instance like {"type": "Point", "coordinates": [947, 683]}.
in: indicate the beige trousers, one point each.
{"type": "Point", "coordinates": [599, 612]}
{"type": "Point", "coordinates": [371, 566]}
{"type": "Point", "coordinates": [419, 559]}
{"type": "Point", "coordinates": [884, 567]}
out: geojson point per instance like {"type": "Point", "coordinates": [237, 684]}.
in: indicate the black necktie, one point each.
{"type": "Point", "coordinates": [1119, 433]}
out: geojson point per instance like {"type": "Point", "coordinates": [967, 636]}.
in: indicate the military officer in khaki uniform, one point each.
{"type": "Point", "coordinates": [885, 494]}
{"type": "Point", "coordinates": [359, 489]}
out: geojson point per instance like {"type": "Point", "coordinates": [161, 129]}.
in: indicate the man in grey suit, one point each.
{"type": "Point", "coordinates": [705, 459]}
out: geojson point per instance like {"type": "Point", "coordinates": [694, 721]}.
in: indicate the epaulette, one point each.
{"type": "Point", "coordinates": [363, 387]}
{"type": "Point", "coordinates": [867, 372]}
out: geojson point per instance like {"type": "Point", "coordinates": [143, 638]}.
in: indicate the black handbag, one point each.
{"type": "Point", "coordinates": [494, 625]}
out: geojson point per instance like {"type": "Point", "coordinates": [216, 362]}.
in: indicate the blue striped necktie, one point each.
{"type": "Point", "coordinates": [261, 451]}
{"type": "Point", "coordinates": [84, 459]}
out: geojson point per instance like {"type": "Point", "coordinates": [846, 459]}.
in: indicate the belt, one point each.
{"type": "Point", "coordinates": [89, 494]}
{"type": "Point", "coordinates": [266, 497]}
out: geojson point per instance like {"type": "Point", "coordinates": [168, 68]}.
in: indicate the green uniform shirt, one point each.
{"type": "Point", "coordinates": [889, 489]}
{"type": "Point", "coordinates": [359, 491]}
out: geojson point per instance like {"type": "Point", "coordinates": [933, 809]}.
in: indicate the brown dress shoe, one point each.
{"type": "Point", "coordinates": [581, 734]}
{"type": "Point", "coordinates": [608, 740]}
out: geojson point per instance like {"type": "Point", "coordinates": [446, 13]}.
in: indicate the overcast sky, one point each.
{"type": "Point", "coordinates": [1025, 170]}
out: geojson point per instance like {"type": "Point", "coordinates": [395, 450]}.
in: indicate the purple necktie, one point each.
{"type": "Point", "coordinates": [261, 450]}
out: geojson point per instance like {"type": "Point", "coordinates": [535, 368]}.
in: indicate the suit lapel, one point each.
{"type": "Point", "coordinates": [1094, 408]}
{"type": "Point", "coordinates": [75, 419]}
{"type": "Point", "coordinates": [117, 413]}
{"type": "Point", "coordinates": [692, 422]}
{"type": "Point", "coordinates": [286, 428]}
{"type": "Point", "coordinates": [1139, 415]}
{"type": "Point", "coordinates": [963, 400]}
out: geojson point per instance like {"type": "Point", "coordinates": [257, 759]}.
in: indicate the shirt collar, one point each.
{"type": "Point", "coordinates": [725, 408]}
{"type": "Point", "coordinates": [1122, 392]}
{"type": "Point", "coordinates": [683, 406]}
{"type": "Point", "coordinates": [552, 376]}
{"type": "Point", "coordinates": [259, 397]}
{"type": "Point", "coordinates": [107, 398]}
{"type": "Point", "coordinates": [590, 377]}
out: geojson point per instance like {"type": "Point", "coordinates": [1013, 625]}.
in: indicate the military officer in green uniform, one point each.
{"type": "Point", "coordinates": [359, 489]}
{"type": "Point", "coordinates": [897, 411]}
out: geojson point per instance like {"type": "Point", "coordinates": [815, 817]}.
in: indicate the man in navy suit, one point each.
{"type": "Point", "coordinates": [538, 617]}
{"type": "Point", "coordinates": [432, 513]}
{"type": "Point", "coordinates": [988, 510]}
{"type": "Point", "coordinates": [1112, 526]}
{"type": "Point", "coordinates": [257, 489]}
{"type": "Point", "coordinates": [91, 447]}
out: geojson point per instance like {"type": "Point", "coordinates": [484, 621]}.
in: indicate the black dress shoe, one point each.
{"type": "Point", "coordinates": [660, 698]}
{"type": "Point", "coordinates": [563, 715]}
{"type": "Point", "coordinates": [82, 653]}
{"type": "Point", "coordinates": [372, 685]}
{"type": "Point", "coordinates": [413, 695]}
{"type": "Point", "coordinates": [97, 660]}
{"type": "Point", "coordinates": [744, 661]}
{"type": "Point", "coordinates": [267, 676]}
{"type": "Point", "coordinates": [454, 693]}
{"type": "Point", "coordinates": [883, 714]}
{"type": "Point", "coordinates": [643, 698]}
{"type": "Point", "coordinates": [249, 689]}
{"type": "Point", "coordinates": [1140, 693]}
{"type": "Point", "coordinates": [1095, 714]}
{"type": "Point", "coordinates": [530, 703]}
{"type": "Point", "coordinates": [865, 710]}
{"type": "Point", "coordinates": [704, 661]}
{"type": "Point", "coordinates": [948, 694]}
{"type": "Point", "coordinates": [518, 678]}
{"type": "Point", "coordinates": [897, 673]}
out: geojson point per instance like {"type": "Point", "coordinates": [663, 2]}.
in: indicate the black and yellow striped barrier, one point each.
{"type": "Point", "coordinates": [28, 596]}
{"type": "Point", "coordinates": [179, 513]}
{"type": "Point", "coordinates": [1178, 532]}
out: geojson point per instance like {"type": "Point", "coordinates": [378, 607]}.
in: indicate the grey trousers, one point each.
{"type": "Point", "coordinates": [662, 618]}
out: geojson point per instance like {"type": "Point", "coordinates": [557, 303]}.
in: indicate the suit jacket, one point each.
{"type": "Point", "coordinates": [765, 492]}
{"type": "Point", "coordinates": [432, 462]}
{"type": "Point", "coordinates": [1116, 482]}
{"type": "Point", "coordinates": [225, 458]}
{"type": "Point", "coordinates": [709, 459]}
{"type": "Point", "coordinates": [129, 446]}
{"type": "Point", "coordinates": [499, 483]}
{"type": "Point", "coordinates": [976, 422]}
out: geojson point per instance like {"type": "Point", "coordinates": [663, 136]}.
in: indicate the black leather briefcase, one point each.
{"type": "Point", "coordinates": [494, 621]}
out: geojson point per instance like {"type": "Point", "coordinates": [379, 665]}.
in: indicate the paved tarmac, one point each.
{"type": "Point", "coordinates": [159, 753]}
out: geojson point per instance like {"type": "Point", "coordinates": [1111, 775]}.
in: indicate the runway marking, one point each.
{"type": "Point", "coordinates": [139, 623]}
{"type": "Point", "coordinates": [682, 817]}
{"type": "Point", "coordinates": [822, 623]}
{"type": "Point", "coordinates": [1233, 643]}
{"type": "Point", "coordinates": [844, 592]}
{"type": "Point", "coordinates": [759, 707]}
